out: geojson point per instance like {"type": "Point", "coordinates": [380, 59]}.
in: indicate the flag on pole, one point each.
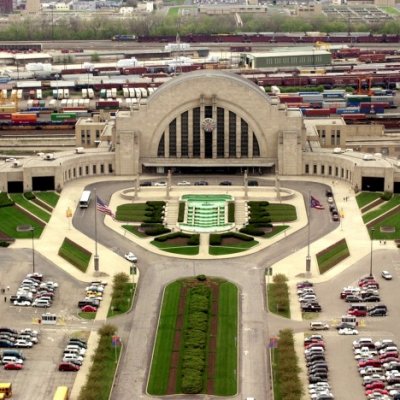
{"type": "Point", "coordinates": [314, 203]}
{"type": "Point", "coordinates": [103, 207]}
{"type": "Point", "coordinates": [273, 343]}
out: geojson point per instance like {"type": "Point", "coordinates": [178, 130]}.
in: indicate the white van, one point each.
{"type": "Point", "coordinates": [11, 359]}
{"type": "Point", "coordinates": [319, 326]}
{"type": "Point", "coordinates": [70, 357]}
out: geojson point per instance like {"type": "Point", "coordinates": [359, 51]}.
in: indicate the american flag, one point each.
{"type": "Point", "coordinates": [314, 203]}
{"type": "Point", "coordinates": [102, 206]}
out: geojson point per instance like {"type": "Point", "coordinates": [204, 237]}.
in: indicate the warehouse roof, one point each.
{"type": "Point", "coordinates": [269, 54]}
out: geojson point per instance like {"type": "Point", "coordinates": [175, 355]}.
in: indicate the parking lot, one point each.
{"type": "Point", "coordinates": [40, 376]}
{"type": "Point", "coordinates": [343, 374]}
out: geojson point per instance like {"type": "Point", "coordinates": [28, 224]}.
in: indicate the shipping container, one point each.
{"type": "Point", "coordinates": [290, 99]}
{"type": "Point", "coordinates": [90, 93]}
{"type": "Point", "coordinates": [22, 118]}
{"type": "Point", "coordinates": [63, 116]}
{"type": "Point", "coordinates": [312, 112]}
{"type": "Point", "coordinates": [107, 105]}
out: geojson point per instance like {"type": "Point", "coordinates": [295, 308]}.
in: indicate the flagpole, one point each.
{"type": "Point", "coordinates": [308, 258]}
{"type": "Point", "coordinates": [96, 255]}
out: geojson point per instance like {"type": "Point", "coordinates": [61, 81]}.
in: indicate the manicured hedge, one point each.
{"type": "Point", "coordinates": [231, 211]}
{"type": "Point", "coordinates": [181, 213]}
{"type": "Point", "coordinates": [252, 230]}
{"type": "Point", "coordinates": [195, 336]}
{"type": "Point", "coordinates": [29, 196]}
{"type": "Point", "coordinates": [5, 201]}
{"type": "Point", "coordinates": [386, 196]}
{"type": "Point", "coordinates": [154, 229]}
{"type": "Point", "coordinates": [193, 240]}
{"type": "Point", "coordinates": [216, 238]}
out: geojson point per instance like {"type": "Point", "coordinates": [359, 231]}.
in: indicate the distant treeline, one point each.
{"type": "Point", "coordinates": [100, 27]}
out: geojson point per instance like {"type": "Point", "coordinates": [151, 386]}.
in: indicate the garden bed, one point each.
{"type": "Point", "coordinates": [332, 255]}
{"type": "Point", "coordinates": [75, 254]}
{"type": "Point", "coordinates": [195, 349]}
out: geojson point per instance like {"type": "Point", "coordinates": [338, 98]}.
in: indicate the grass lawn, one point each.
{"type": "Point", "coordinates": [281, 212]}
{"type": "Point", "coordinates": [87, 315]}
{"type": "Point", "coordinates": [129, 290]}
{"type": "Point", "coordinates": [176, 249]}
{"type": "Point", "coordinates": [394, 201]}
{"type": "Point", "coordinates": [337, 252]}
{"type": "Point", "coordinates": [134, 230]}
{"type": "Point", "coordinates": [50, 198]}
{"type": "Point", "coordinates": [390, 10]}
{"type": "Point", "coordinates": [225, 383]}
{"type": "Point", "coordinates": [131, 212]}
{"type": "Point", "coordinates": [275, 230]}
{"type": "Point", "coordinates": [275, 363]}
{"type": "Point", "coordinates": [11, 217]}
{"type": "Point", "coordinates": [158, 380]}
{"type": "Point", "coordinates": [232, 248]}
{"type": "Point", "coordinates": [365, 198]}
{"type": "Point", "coordinates": [173, 11]}
{"type": "Point", "coordinates": [75, 255]}
{"type": "Point", "coordinates": [394, 221]}
{"type": "Point", "coordinates": [32, 208]}
{"type": "Point", "coordinates": [273, 304]}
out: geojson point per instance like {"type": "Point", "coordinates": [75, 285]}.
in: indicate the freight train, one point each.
{"type": "Point", "coordinates": [278, 37]}
{"type": "Point", "coordinates": [16, 121]}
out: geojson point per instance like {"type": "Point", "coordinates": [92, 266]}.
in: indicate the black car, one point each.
{"type": "Point", "coordinates": [315, 357]}
{"type": "Point", "coordinates": [372, 299]}
{"type": "Point", "coordinates": [353, 299]}
{"type": "Point", "coordinates": [380, 306]}
{"type": "Point", "coordinates": [6, 343]}
{"type": "Point", "coordinates": [9, 330]}
{"type": "Point", "coordinates": [328, 193]}
{"type": "Point", "coordinates": [201, 183]}
{"type": "Point", "coordinates": [318, 364]}
{"type": "Point", "coordinates": [343, 325]}
{"type": "Point", "coordinates": [317, 378]}
{"type": "Point", "coordinates": [252, 183]}
{"type": "Point", "coordinates": [145, 183]}
{"type": "Point", "coordinates": [317, 370]}
{"type": "Point", "coordinates": [226, 183]}
{"type": "Point", "coordinates": [379, 312]}
{"type": "Point", "coordinates": [311, 308]}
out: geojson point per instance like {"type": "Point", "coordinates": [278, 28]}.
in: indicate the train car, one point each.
{"type": "Point", "coordinates": [240, 49]}
{"type": "Point", "coordinates": [317, 112]}
{"type": "Point", "coordinates": [124, 38]}
{"type": "Point", "coordinates": [133, 70]}
{"type": "Point", "coordinates": [63, 117]}
{"type": "Point", "coordinates": [20, 118]}
{"type": "Point", "coordinates": [107, 105]}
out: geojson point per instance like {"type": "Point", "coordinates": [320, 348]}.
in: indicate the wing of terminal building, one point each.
{"type": "Point", "coordinates": [213, 122]}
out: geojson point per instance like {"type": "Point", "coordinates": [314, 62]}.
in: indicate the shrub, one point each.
{"type": "Point", "coordinates": [4, 244]}
{"type": "Point", "coordinates": [252, 230]}
{"type": "Point", "coordinates": [194, 240]}
{"type": "Point", "coordinates": [386, 196]}
{"type": "Point", "coordinates": [215, 239]}
{"type": "Point", "coordinates": [181, 213]}
{"type": "Point", "coordinates": [201, 278]}
{"type": "Point", "coordinates": [231, 211]}
{"type": "Point", "coordinates": [5, 201]}
{"type": "Point", "coordinates": [280, 278]}
{"type": "Point", "coordinates": [29, 196]}
{"type": "Point", "coordinates": [192, 381]}
{"type": "Point", "coordinates": [176, 235]}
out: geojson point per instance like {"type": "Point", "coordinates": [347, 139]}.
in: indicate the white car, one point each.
{"type": "Point", "coordinates": [160, 183]}
{"type": "Point", "coordinates": [23, 303]}
{"type": "Point", "coordinates": [184, 183]}
{"type": "Point", "coordinates": [23, 343]}
{"type": "Point", "coordinates": [348, 331]}
{"type": "Point", "coordinates": [130, 256]}
{"type": "Point", "coordinates": [386, 275]}
{"type": "Point", "coordinates": [375, 377]}
{"type": "Point", "coordinates": [29, 331]}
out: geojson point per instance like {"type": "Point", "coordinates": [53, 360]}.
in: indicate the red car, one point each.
{"type": "Point", "coordinates": [357, 313]}
{"type": "Point", "coordinates": [89, 308]}
{"type": "Point", "coordinates": [315, 344]}
{"type": "Point", "coordinates": [13, 366]}
{"type": "Point", "coordinates": [67, 366]}
{"type": "Point", "coordinates": [375, 385]}
{"type": "Point", "coordinates": [372, 362]}
{"type": "Point", "coordinates": [390, 354]}
{"type": "Point", "coordinates": [369, 283]}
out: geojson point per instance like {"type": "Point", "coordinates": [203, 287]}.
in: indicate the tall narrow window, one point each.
{"type": "Point", "coordinates": [161, 146]}
{"type": "Point", "coordinates": [172, 138]}
{"type": "Point", "coordinates": [220, 132]}
{"type": "Point", "coordinates": [244, 138]}
{"type": "Point", "coordinates": [208, 112]}
{"type": "Point", "coordinates": [232, 134]}
{"type": "Point", "coordinates": [196, 132]}
{"type": "Point", "coordinates": [256, 147]}
{"type": "Point", "coordinates": [184, 134]}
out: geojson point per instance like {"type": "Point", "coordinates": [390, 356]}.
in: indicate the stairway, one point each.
{"type": "Point", "coordinates": [172, 211]}
{"type": "Point", "coordinates": [240, 213]}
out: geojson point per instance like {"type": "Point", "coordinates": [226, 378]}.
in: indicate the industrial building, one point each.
{"type": "Point", "coordinates": [286, 58]}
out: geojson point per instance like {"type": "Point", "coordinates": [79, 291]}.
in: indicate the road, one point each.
{"type": "Point", "coordinates": [138, 328]}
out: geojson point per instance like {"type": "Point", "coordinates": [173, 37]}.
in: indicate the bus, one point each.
{"type": "Point", "coordinates": [5, 390]}
{"type": "Point", "coordinates": [85, 199]}
{"type": "Point", "coordinates": [62, 393]}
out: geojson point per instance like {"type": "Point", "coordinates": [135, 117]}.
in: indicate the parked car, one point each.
{"type": "Point", "coordinates": [130, 257]}
{"type": "Point", "coordinates": [145, 183]}
{"type": "Point", "coordinates": [67, 366]}
{"type": "Point", "coordinates": [88, 309]}
{"type": "Point", "coordinates": [23, 343]}
{"type": "Point", "coordinates": [386, 275]}
{"type": "Point", "coordinates": [226, 183]}
{"type": "Point", "coordinates": [348, 331]}
{"type": "Point", "coordinates": [378, 312]}
{"type": "Point", "coordinates": [357, 313]}
{"type": "Point", "coordinates": [6, 343]}
{"type": "Point", "coordinates": [252, 183]}
{"type": "Point", "coordinates": [319, 326]}
{"type": "Point", "coordinates": [351, 298]}
{"type": "Point", "coordinates": [13, 366]}
{"type": "Point", "coordinates": [162, 184]}
{"type": "Point", "coordinates": [201, 183]}
{"type": "Point", "coordinates": [184, 183]}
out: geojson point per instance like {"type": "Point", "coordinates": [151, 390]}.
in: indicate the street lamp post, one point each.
{"type": "Point", "coordinates": [33, 250]}
{"type": "Point", "coordinates": [372, 240]}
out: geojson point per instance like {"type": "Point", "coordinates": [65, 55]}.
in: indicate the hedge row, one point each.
{"type": "Point", "coordinates": [154, 229]}
{"type": "Point", "coordinates": [193, 240]}
{"type": "Point", "coordinates": [29, 196]}
{"type": "Point", "coordinates": [118, 296]}
{"type": "Point", "coordinates": [5, 201]}
{"type": "Point", "coordinates": [280, 291]}
{"type": "Point", "coordinates": [253, 230]}
{"type": "Point", "coordinates": [181, 213]}
{"type": "Point", "coordinates": [216, 238]}
{"type": "Point", "coordinates": [195, 336]}
{"type": "Point", "coordinates": [154, 210]}
{"type": "Point", "coordinates": [231, 211]}
{"type": "Point", "coordinates": [287, 368]}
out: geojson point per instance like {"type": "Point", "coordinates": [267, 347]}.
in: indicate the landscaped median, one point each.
{"type": "Point", "coordinates": [75, 254]}
{"type": "Point", "coordinates": [195, 349]}
{"type": "Point", "coordinates": [230, 243]}
{"type": "Point", "coordinates": [122, 295]}
{"type": "Point", "coordinates": [278, 296]}
{"type": "Point", "coordinates": [101, 375]}
{"type": "Point", "coordinates": [332, 255]}
{"type": "Point", "coordinates": [178, 243]}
